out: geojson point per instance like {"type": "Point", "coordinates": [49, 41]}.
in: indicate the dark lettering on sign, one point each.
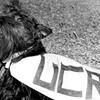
{"type": "Point", "coordinates": [50, 86]}
{"type": "Point", "coordinates": [90, 84]}
{"type": "Point", "coordinates": [68, 91]}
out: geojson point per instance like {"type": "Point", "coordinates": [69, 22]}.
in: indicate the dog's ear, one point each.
{"type": "Point", "coordinates": [14, 7]}
{"type": "Point", "coordinates": [15, 3]}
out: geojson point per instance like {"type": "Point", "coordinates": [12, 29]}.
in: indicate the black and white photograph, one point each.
{"type": "Point", "coordinates": [49, 49]}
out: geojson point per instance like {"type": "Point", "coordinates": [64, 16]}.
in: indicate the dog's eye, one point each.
{"type": "Point", "coordinates": [18, 18]}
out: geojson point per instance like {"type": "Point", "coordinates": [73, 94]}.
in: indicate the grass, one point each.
{"type": "Point", "coordinates": [76, 34]}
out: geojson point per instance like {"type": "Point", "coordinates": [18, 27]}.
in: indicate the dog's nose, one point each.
{"type": "Point", "coordinates": [44, 30]}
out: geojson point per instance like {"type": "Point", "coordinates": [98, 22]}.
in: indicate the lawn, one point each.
{"type": "Point", "coordinates": [76, 34]}
{"type": "Point", "coordinates": [76, 28]}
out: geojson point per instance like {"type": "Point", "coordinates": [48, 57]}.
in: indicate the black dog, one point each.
{"type": "Point", "coordinates": [19, 34]}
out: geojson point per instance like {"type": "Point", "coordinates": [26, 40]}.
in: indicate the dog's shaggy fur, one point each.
{"type": "Point", "coordinates": [21, 34]}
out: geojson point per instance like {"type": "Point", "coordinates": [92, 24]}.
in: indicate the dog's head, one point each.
{"type": "Point", "coordinates": [19, 31]}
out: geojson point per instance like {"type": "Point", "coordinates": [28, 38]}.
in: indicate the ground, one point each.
{"type": "Point", "coordinates": [76, 27]}
{"type": "Point", "coordinates": [76, 31]}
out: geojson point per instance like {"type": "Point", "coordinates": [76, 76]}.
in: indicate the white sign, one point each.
{"type": "Point", "coordinates": [58, 77]}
